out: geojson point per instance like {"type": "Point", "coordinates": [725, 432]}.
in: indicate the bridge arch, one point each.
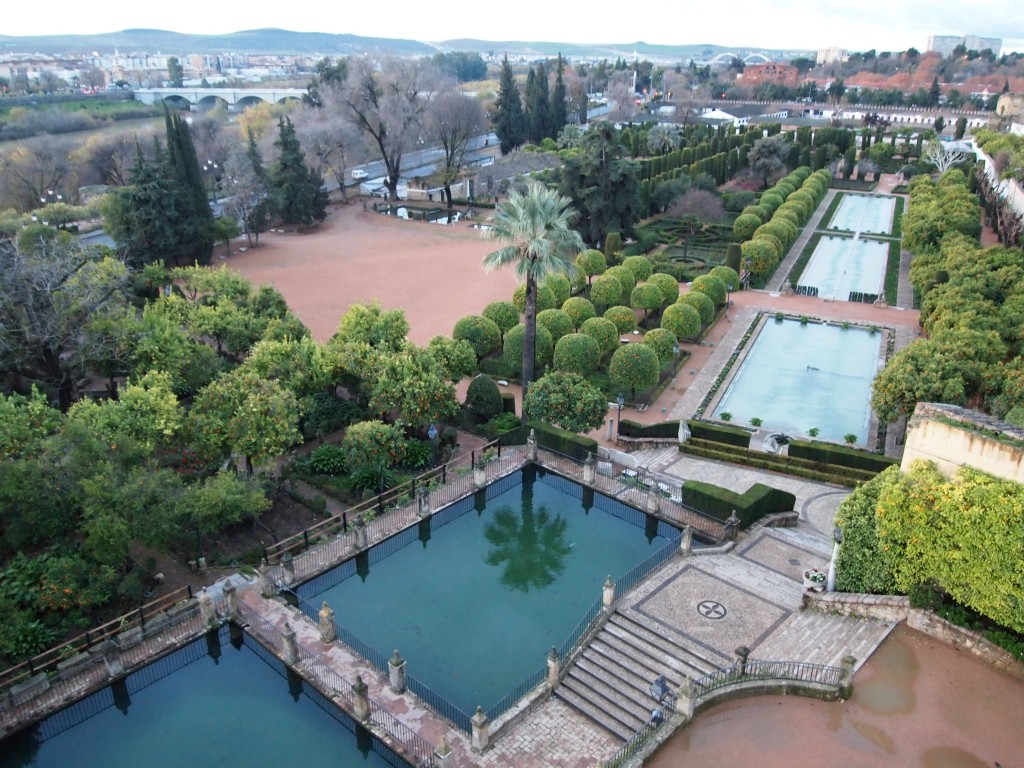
{"type": "Point", "coordinates": [207, 103]}
{"type": "Point", "coordinates": [177, 101]}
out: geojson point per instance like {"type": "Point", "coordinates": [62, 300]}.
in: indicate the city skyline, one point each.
{"type": "Point", "coordinates": [787, 24]}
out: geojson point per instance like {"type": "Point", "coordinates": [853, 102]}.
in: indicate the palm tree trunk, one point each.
{"type": "Point", "coordinates": [529, 339]}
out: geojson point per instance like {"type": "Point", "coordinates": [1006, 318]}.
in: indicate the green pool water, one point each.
{"type": "Point", "coordinates": [477, 597]}
{"type": "Point", "coordinates": [212, 704]}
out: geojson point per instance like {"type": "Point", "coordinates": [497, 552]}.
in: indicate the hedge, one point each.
{"type": "Point", "coordinates": [666, 429]}
{"type": "Point", "coordinates": [840, 455]}
{"type": "Point", "coordinates": [552, 438]}
{"type": "Point", "coordinates": [758, 501]}
{"type": "Point", "coordinates": [705, 430]}
{"type": "Point", "coordinates": [811, 470]}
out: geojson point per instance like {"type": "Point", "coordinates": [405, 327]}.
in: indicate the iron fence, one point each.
{"type": "Point", "coordinates": [512, 697]}
{"type": "Point", "coordinates": [757, 669]}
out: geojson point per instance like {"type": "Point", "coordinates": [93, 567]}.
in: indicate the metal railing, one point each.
{"type": "Point", "coordinates": [632, 746]}
{"type": "Point", "coordinates": [758, 669]}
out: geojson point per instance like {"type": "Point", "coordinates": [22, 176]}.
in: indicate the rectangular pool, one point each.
{"type": "Point", "coordinates": [798, 376]}
{"type": "Point", "coordinates": [864, 213]}
{"type": "Point", "coordinates": [841, 265]}
{"type": "Point", "coordinates": [476, 597]}
{"type": "Point", "coordinates": [220, 701]}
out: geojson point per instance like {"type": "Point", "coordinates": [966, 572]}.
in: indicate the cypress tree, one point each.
{"type": "Point", "coordinates": [508, 120]}
{"type": "Point", "coordinates": [531, 133]}
{"type": "Point", "coordinates": [195, 217]}
{"type": "Point", "coordinates": [297, 190]}
{"type": "Point", "coordinates": [541, 108]}
{"type": "Point", "coordinates": [558, 113]}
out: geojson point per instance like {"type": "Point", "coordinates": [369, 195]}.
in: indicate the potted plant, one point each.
{"type": "Point", "coordinates": [814, 579]}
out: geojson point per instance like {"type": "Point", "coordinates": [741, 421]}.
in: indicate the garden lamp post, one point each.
{"type": "Point", "coordinates": [728, 299]}
{"type": "Point", "coordinates": [675, 363]}
{"type": "Point", "coordinates": [837, 540]}
{"type": "Point", "coordinates": [211, 167]}
{"type": "Point", "coordinates": [621, 401]}
{"type": "Point", "coordinates": [432, 434]}
{"type": "Point", "coordinates": [51, 198]}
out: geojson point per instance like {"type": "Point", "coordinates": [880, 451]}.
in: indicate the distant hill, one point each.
{"type": "Point", "coordinates": [268, 41]}
{"type": "Point", "coordinates": [697, 51]}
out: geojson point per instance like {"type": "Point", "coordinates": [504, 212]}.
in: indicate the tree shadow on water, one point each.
{"type": "Point", "coordinates": [531, 545]}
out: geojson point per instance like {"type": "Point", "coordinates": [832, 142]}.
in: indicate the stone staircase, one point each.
{"type": "Point", "coordinates": [820, 638]}
{"type": "Point", "coordinates": [610, 682]}
{"type": "Point", "coordinates": [656, 459]}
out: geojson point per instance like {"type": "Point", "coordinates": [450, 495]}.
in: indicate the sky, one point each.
{"type": "Point", "coordinates": [857, 25]}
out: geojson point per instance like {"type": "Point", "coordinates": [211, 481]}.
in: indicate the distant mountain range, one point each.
{"type": "Point", "coordinates": [282, 41]}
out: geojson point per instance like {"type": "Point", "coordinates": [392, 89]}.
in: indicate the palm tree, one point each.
{"type": "Point", "coordinates": [536, 224]}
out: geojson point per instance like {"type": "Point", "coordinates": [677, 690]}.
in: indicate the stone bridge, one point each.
{"type": "Point", "coordinates": [202, 99]}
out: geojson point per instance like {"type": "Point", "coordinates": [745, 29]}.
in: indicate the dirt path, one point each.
{"type": "Point", "coordinates": [916, 702]}
{"type": "Point", "coordinates": [358, 256]}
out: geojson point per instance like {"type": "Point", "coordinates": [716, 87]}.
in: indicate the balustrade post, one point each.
{"type": "Point", "coordinates": [481, 731]}
{"type": "Point", "coordinates": [231, 598]}
{"type": "Point", "coordinates": [112, 659]}
{"type": "Point", "coordinates": [359, 544]}
{"type": "Point", "coordinates": [687, 695]}
{"type": "Point", "coordinates": [608, 593]}
{"type": "Point", "coordinates": [396, 673]}
{"type": "Point", "coordinates": [423, 497]}
{"type": "Point", "coordinates": [732, 526]}
{"type": "Point", "coordinates": [287, 569]}
{"type": "Point", "coordinates": [206, 610]}
{"type": "Point", "coordinates": [443, 753]}
{"type": "Point", "coordinates": [289, 649]}
{"type": "Point", "coordinates": [531, 445]}
{"type": "Point", "coordinates": [589, 469]}
{"type": "Point", "coordinates": [360, 701]}
{"type": "Point", "coordinates": [480, 473]}
{"type": "Point", "coordinates": [328, 629]}
{"type": "Point", "coordinates": [554, 668]}
{"type": "Point", "coordinates": [686, 542]}
{"type": "Point", "coordinates": [266, 581]}
{"type": "Point", "coordinates": [846, 678]}
{"type": "Point", "coordinates": [742, 653]}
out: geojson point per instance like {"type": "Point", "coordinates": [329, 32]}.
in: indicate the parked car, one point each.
{"type": "Point", "coordinates": [359, 174]}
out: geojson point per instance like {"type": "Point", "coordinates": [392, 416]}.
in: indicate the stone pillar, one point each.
{"type": "Point", "coordinates": [481, 731]}
{"type": "Point", "coordinates": [684, 431]}
{"type": "Point", "coordinates": [231, 597]}
{"type": "Point", "coordinates": [423, 497]}
{"type": "Point", "coordinates": [653, 501]}
{"type": "Point", "coordinates": [554, 668]}
{"type": "Point", "coordinates": [287, 569]}
{"type": "Point", "coordinates": [589, 470]}
{"type": "Point", "coordinates": [396, 673]}
{"type": "Point", "coordinates": [480, 473]}
{"type": "Point", "coordinates": [686, 542]}
{"type": "Point", "coordinates": [742, 653]}
{"type": "Point", "coordinates": [732, 526]}
{"type": "Point", "coordinates": [608, 593]}
{"type": "Point", "coordinates": [359, 544]}
{"type": "Point", "coordinates": [289, 649]}
{"type": "Point", "coordinates": [112, 659]}
{"type": "Point", "coordinates": [846, 679]}
{"type": "Point", "coordinates": [360, 701]}
{"type": "Point", "coordinates": [443, 753]}
{"type": "Point", "coordinates": [206, 609]}
{"type": "Point", "coordinates": [328, 629]}
{"type": "Point", "coordinates": [531, 445]}
{"type": "Point", "coordinates": [266, 580]}
{"type": "Point", "coordinates": [685, 703]}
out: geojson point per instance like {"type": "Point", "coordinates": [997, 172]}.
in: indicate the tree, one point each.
{"type": "Point", "coordinates": [568, 401]}
{"type": "Point", "coordinates": [481, 333]}
{"type": "Point", "coordinates": [558, 111]}
{"type": "Point", "coordinates": [592, 262]}
{"type": "Point", "coordinates": [246, 186]}
{"type": "Point", "coordinates": [504, 314]}
{"type": "Point", "coordinates": [454, 358]}
{"type": "Point", "coordinates": [579, 310]}
{"type": "Point", "coordinates": [646, 296]}
{"type": "Point", "coordinates": [454, 119]}
{"type": "Point", "coordinates": [483, 397]}
{"type": "Point", "coordinates": [604, 332]}
{"type": "Point", "coordinates": [633, 367]}
{"type": "Point", "coordinates": [934, 94]}
{"type": "Point", "coordinates": [768, 157]}
{"type": "Point", "coordinates": [328, 139]}
{"type": "Point", "coordinates": [388, 105]}
{"type": "Point", "coordinates": [508, 111]}
{"type": "Point", "coordinates": [372, 447]}
{"type": "Point", "coordinates": [52, 296]}
{"type": "Point", "coordinates": [682, 319]}
{"type": "Point", "coordinates": [412, 387]}
{"type": "Point", "coordinates": [576, 353]}
{"type": "Point", "coordinates": [226, 229]}
{"type": "Point", "coordinates": [943, 156]}
{"type": "Point", "coordinates": [536, 224]}
{"type": "Point", "coordinates": [175, 72]}
{"type": "Point", "coordinates": [195, 217]}
{"type": "Point", "coordinates": [296, 190]}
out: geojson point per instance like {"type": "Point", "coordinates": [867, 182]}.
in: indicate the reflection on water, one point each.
{"type": "Point", "coordinates": [531, 545]}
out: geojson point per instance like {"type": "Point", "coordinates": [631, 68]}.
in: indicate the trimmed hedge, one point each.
{"type": "Point", "coordinates": [666, 429]}
{"type": "Point", "coordinates": [552, 438]}
{"type": "Point", "coordinates": [839, 455]}
{"type": "Point", "coordinates": [812, 470]}
{"type": "Point", "coordinates": [758, 501]}
{"type": "Point", "coordinates": [717, 433]}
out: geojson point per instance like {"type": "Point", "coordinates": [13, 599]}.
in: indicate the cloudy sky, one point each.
{"type": "Point", "coordinates": [786, 24]}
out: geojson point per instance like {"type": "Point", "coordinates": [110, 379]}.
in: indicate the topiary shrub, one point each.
{"type": "Point", "coordinates": [745, 225]}
{"type": "Point", "coordinates": [513, 347]}
{"type": "Point", "coordinates": [759, 256]}
{"type": "Point", "coordinates": [711, 286]}
{"type": "Point", "coordinates": [682, 319]}
{"type": "Point", "coordinates": [579, 310]}
{"type": "Point", "coordinates": [667, 284]}
{"type": "Point", "coordinates": [604, 332]}
{"type": "Point", "coordinates": [662, 341]}
{"type": "Point", "coordinates": [702, 303]}
{"type": "Point", "coordinates": [577, 353]}
{"type": "Point", "coordinates": [640, 266]}
{"type": "Point", "coordinates": [560, 288]}
{"type": "Point", "coordinates": [591, 263]}
{"type": "Point", "coordinates": [733, 256]}
{"type": "Point", "coordinates": [483, 335]}
{"type": "Point", "coordinates": [612, 246]}
{"type": "Point", "coordinates": [503, 314]}
{"type": "Point", "coordinates": [623, 317]}
{"type": "Point", "coordinates": [646, 296]}
{"type": "Point", "coordinates": [634, 367]}
{"type": "Point", "coordinates": [727, 276]}
{"type": "Point", "coordinates": [606, 291]}
{"type": "Point", "coordinates": [483, 398]}
{"type": "Point", "coordinates": [624, 276]}
{"type": "Point", "coordinates": [556, 321]}
{"type": "Point", "coordinates": [545, 298]}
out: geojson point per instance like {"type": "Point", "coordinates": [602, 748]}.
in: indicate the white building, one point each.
{"type": "Point", "coordinates": [945, 44]}
{"type": "Point", "coordinates": [831, 55]}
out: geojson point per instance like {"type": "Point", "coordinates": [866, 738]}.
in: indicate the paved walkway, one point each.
{"type": "Point", "coordinates": [780, 278]}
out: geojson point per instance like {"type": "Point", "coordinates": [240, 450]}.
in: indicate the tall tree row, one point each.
{"type": "Point", "coordinates": [538, 113]}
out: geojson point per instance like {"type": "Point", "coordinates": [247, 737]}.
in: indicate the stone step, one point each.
{"type": "Point", "coordinates": [653, 636]}
{"type": "Point", "coordinates": [625, 701]}
{"type": "Point", "coordinates": [581, 702]}
{"type": "Point", "coordinates": [762, 582]}
{"type": "Point", "coordinates": [612, 671]}
{"type": "Point", "coordinates": [627, 654]}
